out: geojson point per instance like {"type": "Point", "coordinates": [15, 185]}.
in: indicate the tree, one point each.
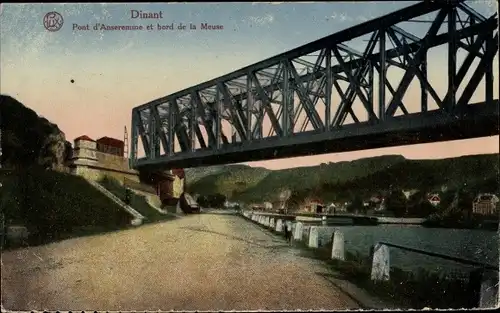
{"type": "Point", "coordinates": [461, 205]}
{"type": "Point", "coordinates": [419, 206]}
{"type": "Point", "coordinates": [212, 201]}
{"type": "Point", "coordinates": [396, 203]}
{"type": "Point", "coordinates": [356, 204]}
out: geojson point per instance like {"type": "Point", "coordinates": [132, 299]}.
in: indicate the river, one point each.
{"type": "Point", "coordinates": [477, 245]}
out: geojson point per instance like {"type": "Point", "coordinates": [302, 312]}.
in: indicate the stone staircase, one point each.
{"type": "Point", "coordinates": [152, 200]}
{"type": "Point", "coordinates": [152, 204]}
{"type": "Point", "coordinates": [138, 217]}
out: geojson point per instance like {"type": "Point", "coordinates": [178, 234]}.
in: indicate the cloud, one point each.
{"type": "Point", "coordinates": [261, 20]}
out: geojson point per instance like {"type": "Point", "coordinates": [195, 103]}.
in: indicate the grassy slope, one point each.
{"type": "Point", "coordinates": [138, 202]}
{"type": "Point", "coordinates": [57, 204]}
{"type": "Point", "coordinates": [336, 180]}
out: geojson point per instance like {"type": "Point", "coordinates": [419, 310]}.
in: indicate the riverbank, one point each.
{"type": "Point", "coordinates": [367, 220]}
{"type": "Point", "coordinates": [405, 290]}
{"type": "Point", "coordinates": [411, 285]}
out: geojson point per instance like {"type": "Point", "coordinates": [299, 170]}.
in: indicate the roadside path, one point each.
{"type": "Point", "coordinates": [197, 262]}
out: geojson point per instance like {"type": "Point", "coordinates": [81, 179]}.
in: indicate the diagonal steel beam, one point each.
{"type": "Point", "coordinates": [405, 34]}
{"type": "Point", "coordinates": [153, 131]}
{"type": "Point", "coordinates": [471, 12]}
{"type": "Point", "coordinates": [360, 72]}
{"type": "Point", "coordinates": [207, 123]}
{"type": "Point", "coordinates": [195, 127]}
{"type": "Point", "coordinates": [416, 67]}
{"type": "Point", "coordinates": [311, 112]}
{"type": "Point", "coordinates": [267, 105]}
{"type": "Point", "coordinates": [388, 85]}
{"type": "Point", "coordinates": [345, 100]}
{"type": "Point", "coordinates": [249, 107]}
{"type": "Point", "coordinates": [260, 114]}
{"type": "Point", "coordinates": [171, 126]}
{"type": "Point", "coordinates": [142, 134]}
{"type": "Point", "coordinates": [410, 73]}
{"type": "Point", "coordinates": [218, 123]}
{"type": "Point", "coordinates": [159, 128]}
{"type": "Point", "coordinates": [179, 127]}
{"type": "Point", "coordinates": [314, 101]}
{"type": "Point", "coordinates": [469, 59]}
{"type": "Point", "coordinates": [489, 55]}
{"type": "Point", "coordinates": [316, 69]}
{"type": "Point", "coordinates": [345, 35]}
{"type": "Point", "coordinates": [228, 101]}
{"type": "Point", "coordinates": [242, 116]}
{"type": "Point", "coordinates": [392, 53]}
{"type": "Point", "coordinates": [134, 135]}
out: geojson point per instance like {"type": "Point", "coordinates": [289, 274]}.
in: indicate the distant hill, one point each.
{"type": "Point", "coordinates": [336, 181]}
{"type": "Point", "coordinates": [197, 173]}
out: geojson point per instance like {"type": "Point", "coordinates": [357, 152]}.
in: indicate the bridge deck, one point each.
{"type": "Point", "coordinates": [478, 120]}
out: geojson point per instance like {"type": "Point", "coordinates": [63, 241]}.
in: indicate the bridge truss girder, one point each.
{"type": "Point", "coordinates": [283, 87]}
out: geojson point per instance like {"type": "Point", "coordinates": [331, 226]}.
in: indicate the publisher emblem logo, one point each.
{"type": "Point", "coordinates": [53, 21]}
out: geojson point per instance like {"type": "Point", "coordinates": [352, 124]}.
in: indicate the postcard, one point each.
{"type": "Point", "coordinates": [249, 156]}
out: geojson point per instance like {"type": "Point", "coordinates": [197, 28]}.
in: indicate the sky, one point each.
{"type": "Point", "coordinates": [114, 71]}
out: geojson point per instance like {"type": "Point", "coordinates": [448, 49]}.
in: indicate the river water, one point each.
{"type": "Point", "coordinates": [476, 245]}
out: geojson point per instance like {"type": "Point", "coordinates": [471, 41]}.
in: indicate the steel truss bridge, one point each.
{"type": "Point", "coordinates": [284, 87]}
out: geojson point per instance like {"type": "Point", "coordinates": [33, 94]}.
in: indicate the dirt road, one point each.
{"type": "Point", "coordinates": [198, 262]}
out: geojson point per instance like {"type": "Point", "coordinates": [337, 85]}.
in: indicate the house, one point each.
{"type": "Point", "coordinates": [409, 193]}
{"type": "Point", "coordinates": [257, 207]}
{"type": "Point", "coordinates": [485, 204]}
{"type": "Point", "coordinates": [314, 206]}
{"type": "Point", "coordinates": [230, 205]}
{"type": "Point", "coordinates": [378, 201]}
{"type": "Point", "coordinates": [94, 159]}
{"type": "Point", "coordinates": [434, 199]}
{"type": "Point", "coordinates": [110, 146]}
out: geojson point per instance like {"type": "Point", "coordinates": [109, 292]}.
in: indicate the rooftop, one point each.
{"type": "Point", "coordinates": [110, 141]}
{"type": "Point", "coordinates": [84, 137]}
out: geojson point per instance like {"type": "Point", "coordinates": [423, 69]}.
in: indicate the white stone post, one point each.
{"type": "Point", "coordinates": [272, 223]}
{"type": "Point", "coordinates": [266, 221]}
{"type": "Point", "coordinates": [338, 252]}
{"type": "Point", "coordinates": [323, 220]}
{"type": "Point", "coordinates": [381, 263]}
{"type": "Point", "coordinates": [313, 237]}
{"type": "Point", "coordinates": [297, 234]}
{"type": "Point", "coordinates": [489, 290]}
{"type": "Point", "coordinates": [279, 225]}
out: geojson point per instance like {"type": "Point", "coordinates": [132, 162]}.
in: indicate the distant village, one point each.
{"type": "Point", "coordinates": [483, 204]}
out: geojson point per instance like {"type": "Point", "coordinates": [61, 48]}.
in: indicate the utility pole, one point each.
{"type": "Point", "coordinates": [125, 141]}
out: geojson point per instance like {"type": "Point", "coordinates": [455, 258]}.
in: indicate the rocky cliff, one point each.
{"type": "Point", "coordinates": [29, 139]}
